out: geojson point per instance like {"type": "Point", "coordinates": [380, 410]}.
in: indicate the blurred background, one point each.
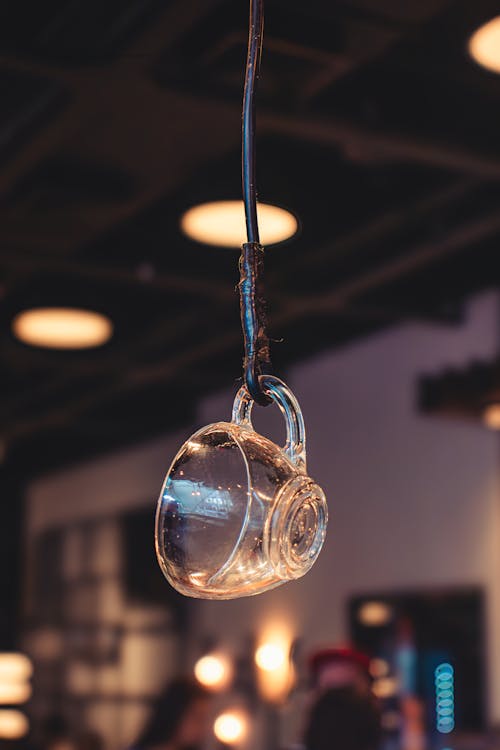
{"type": "Point", "coordinates": [120, 222]}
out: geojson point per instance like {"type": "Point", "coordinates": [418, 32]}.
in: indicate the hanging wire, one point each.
{"type": "Point", "coordinates": [252, 303]}
{"type": "Point", "coordinates": [254, 55]}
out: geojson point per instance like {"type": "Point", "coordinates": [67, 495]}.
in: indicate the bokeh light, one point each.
{"type": "Point", "coordinates": [270, 656]}
{"type": "Point", "coordinates": [13, 724]}
{"type": "Point", "coordinates": [213, 671]}
{"type": "Point", "coordinates": [484, 45]}
{"type": "Point", "coordinates": [62, 328]}
{"type": "Point", "coordinates": [231, 727]}
{"type": "Point", "coordinates": [385, 687]}
{"type": "Point", "coordinates": [275, 670]}
{"type": "Point", "coordinates": [12, 693]}
{"type": "Point", "coordinates": [14, 667]}
{"type": "Point", "coordinates": [491, 416]}
{"type": "Point", "coordinates": [374, 614]}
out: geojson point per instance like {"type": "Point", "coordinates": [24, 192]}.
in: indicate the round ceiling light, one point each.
{"type": "Point", "coordinates": [222, 223]}
{"type": "Point", "coordinates": [484, 45]}
{"type": "Point", "coordinates": [62, 328]}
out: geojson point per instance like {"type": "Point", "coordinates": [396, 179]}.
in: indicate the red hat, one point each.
{"type": "Point", "coordinates": [326, 656]}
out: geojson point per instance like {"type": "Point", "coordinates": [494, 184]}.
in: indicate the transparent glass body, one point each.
{"type": "Point", "coordinates": [237, 514]}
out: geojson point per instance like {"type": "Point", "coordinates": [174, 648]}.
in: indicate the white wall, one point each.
{"type": "Point", "coordinates": [414, 500]}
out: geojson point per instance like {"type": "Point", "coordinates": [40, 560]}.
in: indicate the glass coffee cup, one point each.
{"type": "Point", "coordinates": [237, 514]}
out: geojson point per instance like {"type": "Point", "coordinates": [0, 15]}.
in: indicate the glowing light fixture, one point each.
{"type": "Point", "coordinates": [212, 671]}
{"type": "Point", "coordinates": [12, 693]}
{"type": "Point", "coordinates": [222, 223]}
{"type": "Point", "coordinates": [270, 657]}
{"type": "Point", "coordinates": [231, 727]}
{"type": "Point", "coordinates": [14, 667]}
{"type": "Point", "coordinates": [275, 675]}
{"type": "Point", "coordinates": [13, 724]}
{"type": "Point", "coordinates": [491, 416]}
{"type": "Point", "coordinates": [374, 614]}
{"type": "Point", "coordinates": [62, 328]}
{"type": "Point", "coordinates": [484, 45]}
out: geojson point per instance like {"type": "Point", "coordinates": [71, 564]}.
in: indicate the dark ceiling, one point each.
{"type": "Point", "coordinates": [374, 127]}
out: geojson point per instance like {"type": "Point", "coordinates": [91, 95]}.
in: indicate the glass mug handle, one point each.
{"type": "Point", "coordinates": [295, 446]}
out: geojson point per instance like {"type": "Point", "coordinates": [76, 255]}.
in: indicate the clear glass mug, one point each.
{"type": "Point", "coordinates": [237, 514]}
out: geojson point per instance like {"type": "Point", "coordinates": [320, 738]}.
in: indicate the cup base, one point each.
{"type": "Point", "coordinates": [297, 528]}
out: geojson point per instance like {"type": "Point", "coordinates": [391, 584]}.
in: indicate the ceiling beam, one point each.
{"type": "Point", "coordinates": [147, 276]}
{"type": "Point", "coordinates": [420, 257]}
{"type": "Point", "coordinates": [381, 145]}
{"type": "Point", "coordinates": [386, 224]}
{"type": "Point", "coordinates": [221, 293]}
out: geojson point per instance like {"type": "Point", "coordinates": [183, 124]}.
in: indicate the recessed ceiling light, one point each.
{"type": "Point", "coordinates": [222, 223]}
{"type": "Point", "coordinates": [62, 328]}
{"type": "Point", "coordinates": [484, 45]}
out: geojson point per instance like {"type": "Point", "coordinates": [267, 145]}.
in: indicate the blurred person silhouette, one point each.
{"type": "Point", "coordinates": [179, 720]}
{"type": "Point", "coordinates": [343, 719]}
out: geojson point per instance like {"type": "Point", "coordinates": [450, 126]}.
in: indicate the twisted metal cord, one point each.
{"type": "Point", "coordinates": [252, 303]}
{"type": "Point", "coordinates": [253, 321]}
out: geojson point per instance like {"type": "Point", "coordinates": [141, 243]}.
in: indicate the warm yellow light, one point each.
{"type": "Point", "coordinates": [231, 727]}
{"type": "Point", "coordinates": [62, 328]}
{"type": "Point", "coordinates": [491, 416]}
{"type": "Point", "coordinates": [14, 667]}
{"type": "Point", "coordinates": [13, 724]}
{"type": "Point", "coordinates": [12, 693]}
{"type": "Point", "coordinates": [374, 614]}
{"type": "Point", "coordinates": [484, 45]}
{"type": "Point", "coordinates": [270, 657]}
{"type": "Point", "coordinates": [386, 687]}
{"type": "Point", "coordinates": [212, 671]}
{"type": "Point", "coordinates": [222, 223]}
{"type": "Point", "coordinates": [275, 674]}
